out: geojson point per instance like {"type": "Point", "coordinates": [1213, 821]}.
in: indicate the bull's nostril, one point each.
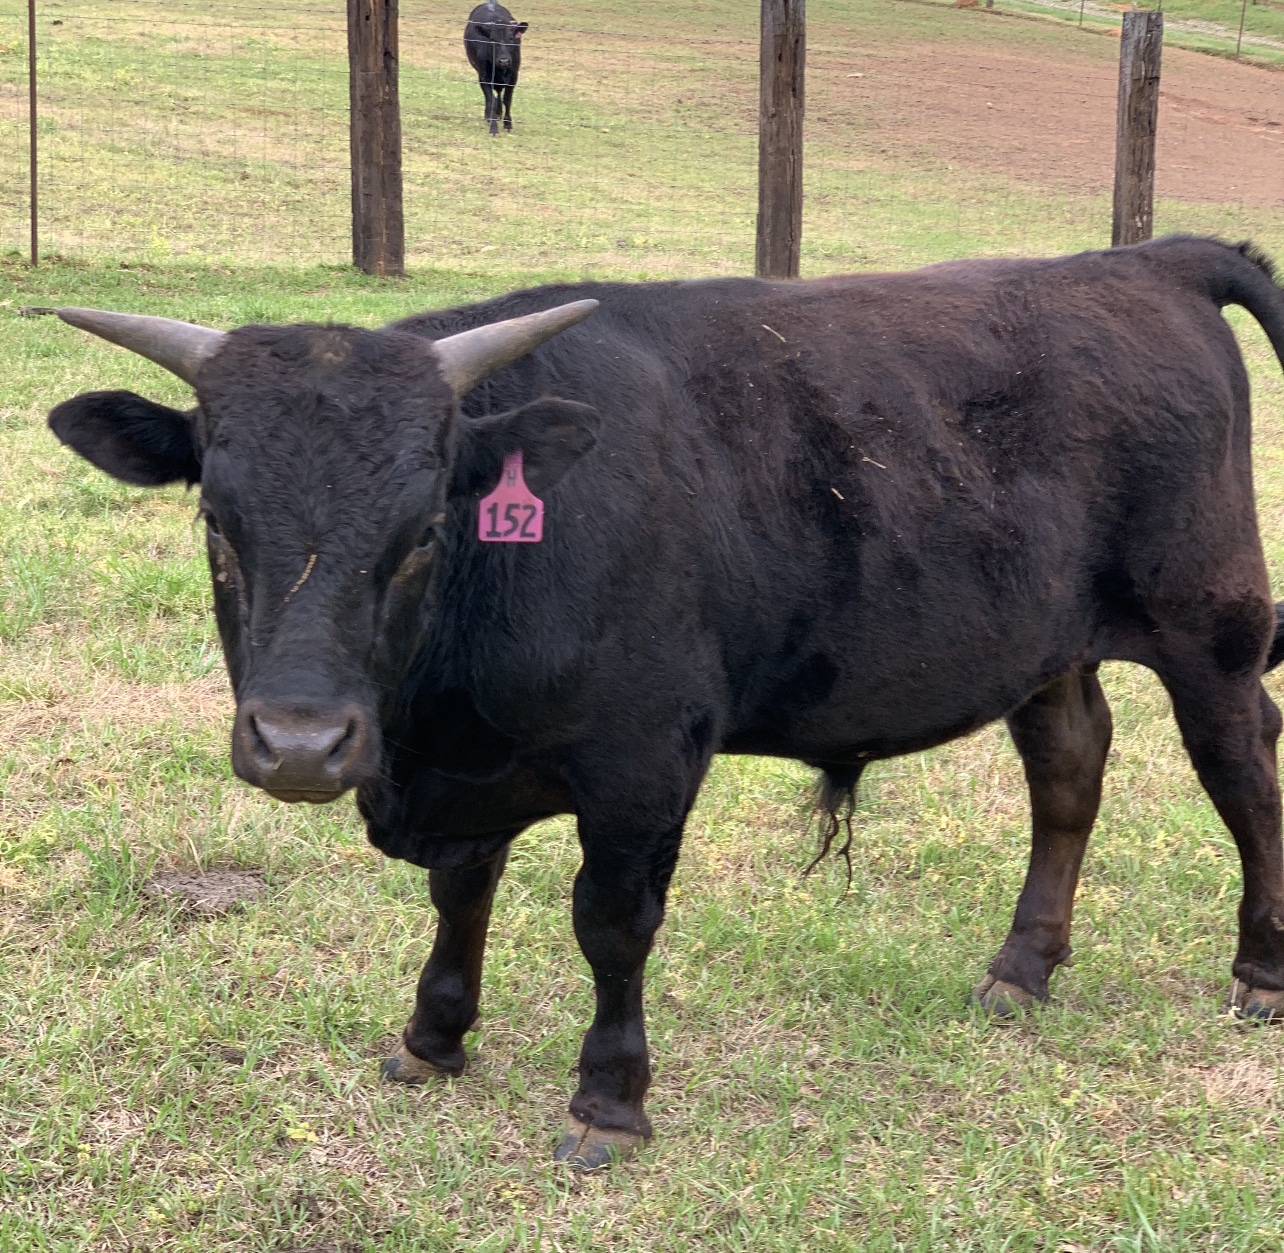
{"type": "Point", "coordinates": [344, 745]}
{"type": "Point", "coordinates": [265, 755]}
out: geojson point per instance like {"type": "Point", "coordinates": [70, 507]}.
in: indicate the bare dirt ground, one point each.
{"type": "Point", "coordinates": [1050, 119]}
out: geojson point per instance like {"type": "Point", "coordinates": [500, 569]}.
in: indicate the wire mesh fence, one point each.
{"type": "Point", "coordinates": [219, 133]}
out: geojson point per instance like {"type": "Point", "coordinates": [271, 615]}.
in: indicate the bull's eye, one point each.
{"type": "Point", "coordinates": [429, 537]}
{"type": "Point", "coordinates": [418, 558]}
{"type": "Point", "coordinates": [413, 564]}
{"type": "Point", "coordinates": [211, 524]}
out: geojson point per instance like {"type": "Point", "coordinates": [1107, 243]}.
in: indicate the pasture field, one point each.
{"type": "Point", "coordinates": [181, 130]}
{"type": "Point", "coordinates": [177, 1081]}
{"type": "Point", "coordinates": [1209, 26]}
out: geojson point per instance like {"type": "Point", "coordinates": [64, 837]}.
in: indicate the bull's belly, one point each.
{"type": "Point", "coordinates": [851, 735]}
{"type": "Point", "coordinates": [865, 717]}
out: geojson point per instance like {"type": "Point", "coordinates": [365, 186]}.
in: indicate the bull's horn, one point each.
{"type": "Point", "coordinates": [467, 358]}
{"type": "Point", "coordinates": [181, 347]}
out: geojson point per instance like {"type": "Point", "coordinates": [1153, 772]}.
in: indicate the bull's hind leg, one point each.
{"type": "Point", "coordinates": [450, 985]}
{"type": "Point", "coordinates": [1230, 726]}
{"type": "Point", "coordinates": [1063, 735]}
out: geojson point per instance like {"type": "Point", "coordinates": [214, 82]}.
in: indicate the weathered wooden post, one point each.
{"type": "Point", "coordinates": [32, 127]}
{"type": "Point", "coordinates": [378, 227]}
{"type": "Point", "coordinates": [1140, 49]}
{"type": "Point", "coordinates": [781, 58]}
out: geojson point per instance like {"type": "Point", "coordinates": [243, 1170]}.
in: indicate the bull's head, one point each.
{"type": "Point", "coordinates": [328, 459]}
{"type": "Point", "coordinates": [505, 38]}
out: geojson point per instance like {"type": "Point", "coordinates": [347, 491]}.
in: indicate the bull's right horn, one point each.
{"type": "Point", "coordinates": [470, 356]}
{"type": "Point", "coordinates": [180, 347]}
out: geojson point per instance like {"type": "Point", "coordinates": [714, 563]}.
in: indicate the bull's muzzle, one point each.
{"type": "Point", "coordinates": [312, 755]}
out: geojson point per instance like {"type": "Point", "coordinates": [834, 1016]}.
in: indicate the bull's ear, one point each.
{"type": "Point", "coordinates": [552, 434]}
{"type": "Point", "coordinates": [131, 438]}
{"type": "Point", "coordinates": [522, 28]}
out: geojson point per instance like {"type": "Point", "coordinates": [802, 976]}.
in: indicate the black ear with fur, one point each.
{"type": "Point", "coordinates": [552, 434]}
{"type": "Point", "coordinates": [131, 438]}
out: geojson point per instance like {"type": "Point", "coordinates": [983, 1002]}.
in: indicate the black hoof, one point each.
{"type": "Point", "coordinates": [1259, 1005]}
{"type": "Point", "coordinates": [1004, 1002]}
{"type": "Point", "coordinates": [591, 1148]}
{"type": "Point", "coordinates": [404, 1067]}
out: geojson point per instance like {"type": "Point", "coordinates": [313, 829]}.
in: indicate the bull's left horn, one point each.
{"type": "Point", "coordinates": [467, 358]}
{"type": "Point", "coordinates": [181, 347]}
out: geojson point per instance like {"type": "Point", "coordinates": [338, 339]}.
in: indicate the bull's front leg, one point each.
{"type": "Point", "coordinates": [631, 801]}
{"type": "Point", "coordinates": [618, 907]}
{"type": "Point", "coordinates": [492, 106]}
{"type": "Point", "coordinates": [450, 985]}
{"type": "Point", "coordinates": [508, 107]}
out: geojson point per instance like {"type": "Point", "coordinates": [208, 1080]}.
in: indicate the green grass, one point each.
{"type": "Point", "coordinates": [169, 1082]}
{"type": "Point", "coordinates": [1211, 26]}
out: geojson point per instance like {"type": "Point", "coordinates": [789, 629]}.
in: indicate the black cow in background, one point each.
{"type": "Point", "coordinates": [493, 42]}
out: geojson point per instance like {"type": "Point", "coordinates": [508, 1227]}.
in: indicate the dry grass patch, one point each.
{"type": "Point", "coordinates": [1247, 1082]}
{"type": "Point", "coordinates": [207, 893]}
{"type": "Point", "coordinates": [102, 701]}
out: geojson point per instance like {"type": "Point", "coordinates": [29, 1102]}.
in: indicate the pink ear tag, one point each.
{"type": "Point", "coordinates": [511, 514]}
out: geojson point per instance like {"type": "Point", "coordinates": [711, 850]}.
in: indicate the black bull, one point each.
{"type": "Point", "coordinates": [493, 45]}
{"type": "Point", "coordinates": [835, 521]}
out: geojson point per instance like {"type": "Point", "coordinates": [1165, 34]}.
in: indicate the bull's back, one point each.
{"type": "Point", "coordinates": [891, 493]}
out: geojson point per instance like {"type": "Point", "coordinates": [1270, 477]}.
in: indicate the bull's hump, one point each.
{"type": "Point", "coordinates": [329, 348]}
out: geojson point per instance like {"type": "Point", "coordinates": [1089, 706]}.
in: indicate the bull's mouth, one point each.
{"type": "Point", "coordinates": [293, 796]}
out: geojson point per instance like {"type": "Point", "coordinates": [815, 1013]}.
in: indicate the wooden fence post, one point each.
{"type": "Point", "coordinates": [33, 129]}
{"type": "Point", "coordinates": [378, 227]}
{"type": "Point", "coordinates": [1140, 49]}
{"type": "Point", "coordinates": [781, 58]}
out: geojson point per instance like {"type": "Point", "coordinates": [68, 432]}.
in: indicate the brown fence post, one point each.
{"type": "Point", "coordinates": [378, 227]}
{"type": "Point", "coordinates": [31, 122]}
{"type": "Point", "coordinates": [781, 57]}
{"type": "Point", "coordinates": [1140, 49]}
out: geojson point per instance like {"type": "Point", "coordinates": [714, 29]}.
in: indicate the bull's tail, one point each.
{"type": "Point", "coordinates": [1242, 274]}
{"type": "Point", "coordinates": [1276, 653]}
